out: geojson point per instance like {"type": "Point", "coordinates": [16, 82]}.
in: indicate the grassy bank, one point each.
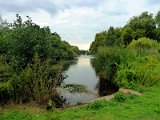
{"type": "Point", "coordinates": [146, 107]}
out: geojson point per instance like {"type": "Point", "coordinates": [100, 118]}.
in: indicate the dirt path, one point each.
{"type": "Point", "coordinates": [128, 91]}
{"type": "Point", "coordinates": [109, 97]}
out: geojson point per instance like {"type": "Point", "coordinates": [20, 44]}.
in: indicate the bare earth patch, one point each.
{"type": "Point", "coordinates": [109, 97]}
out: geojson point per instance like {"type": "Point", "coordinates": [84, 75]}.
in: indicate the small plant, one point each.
{"type": "Point", "coordinates": [97, 105]}
{"type": "Point", "coordinates": [120, 97]}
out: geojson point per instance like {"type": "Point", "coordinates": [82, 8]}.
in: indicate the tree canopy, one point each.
{"type": "Point", "coordinates": [31, 61]}
{"type": "Point", "coordinates": [144, 25]}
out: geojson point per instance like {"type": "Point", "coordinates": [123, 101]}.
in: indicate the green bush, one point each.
{"type": "Point", "coordinates": [144, 46]}
{"type": "Point", "coordinates": [107, 61]}
{"type": "Point", "coordinates": [121, 97]}
{"type": "Point", "coordinates": [97, 105]}
{"type": "Point", "coordinates": [139, 69]}
{"type": "Point", "coordinates": [143, 43]}
{"type": "Point", "coordinates": [134, 67]}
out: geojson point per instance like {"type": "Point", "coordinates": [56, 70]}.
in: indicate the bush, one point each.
{"type": "Point", "coordinates": [107, 61]}
{"type": "Point", "coordinates": [5, 82]}
{"type": "Point", "coordinates": [144, 46]}
{"type": "Point", "coordinates": [121, 97]}
{"type": "Point", "coordinates": [97, 105]}
{"type": "Point", "coordinates": [133, 67]}
{"type": "Point", "coordinates": [139, 68]}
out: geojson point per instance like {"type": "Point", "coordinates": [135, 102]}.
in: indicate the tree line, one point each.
{"type": "Point", "coordinates": [31, 59]}
{"type": "Point", "coordinates": [129, 56]}
{"type": "Point", "coordinates": [144, 25]}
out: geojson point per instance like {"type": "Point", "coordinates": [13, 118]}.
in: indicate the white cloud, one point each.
{"type": "Point", "coordinates": [41, 17]}
{"type": "Point", "coordinates": [77, 21]}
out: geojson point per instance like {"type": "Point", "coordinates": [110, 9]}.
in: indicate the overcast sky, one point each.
{"type": "Point", "coordinates": [77, 21]}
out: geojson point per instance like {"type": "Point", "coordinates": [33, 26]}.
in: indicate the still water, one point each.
{"type": "Point", "coordinates": [82, 73]}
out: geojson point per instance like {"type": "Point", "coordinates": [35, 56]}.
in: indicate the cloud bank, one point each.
{"type": "Point", "coordinates": [77, 21]}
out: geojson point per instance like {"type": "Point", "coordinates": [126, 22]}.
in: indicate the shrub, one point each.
{"type": "Point", "coordinates": [144, 45]}
{"type": "Point", "coordinates": [139, 68]}
{"type": "Point", "coordinates": [97, 105]}
{"type": "Point", "coordinates": [121, 97]}
{"type": "Point", "coordinates": [107, 61]}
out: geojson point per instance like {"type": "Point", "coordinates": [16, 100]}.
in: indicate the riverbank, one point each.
{"type": "Point", "coordinates": [123, 107]}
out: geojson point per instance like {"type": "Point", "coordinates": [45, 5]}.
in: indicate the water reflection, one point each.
{"type": "Point", "coordinates": [83, 74]}
{"type": "Point", "coordinates": [106, 87]}
{"type": "Point", "coordinates": [84, 62]}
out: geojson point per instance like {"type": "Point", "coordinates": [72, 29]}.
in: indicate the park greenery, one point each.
{"type": "Point", "coordinates": [130, 56]}
{"type": "Point", "coordinates": [32, 59]}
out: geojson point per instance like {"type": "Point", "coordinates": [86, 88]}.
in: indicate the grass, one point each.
{"type": "Point", "coordinates": [123, 107]}
{"type": "Point", "coordinates": [22, 112]}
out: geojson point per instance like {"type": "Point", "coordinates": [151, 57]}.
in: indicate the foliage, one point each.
{"type": "Point", "coordinates": [121, 97]}
{"type": "Point", "coordinates": [25, 39]}
{"type": "Point", "coordinates": [143, 45]}
{"type": "Point", "coordinates": [99, 41]}
{"type": "Point", "coordinates": [157, 19]}
{"type": "Point", "coordinates": [135, 66]}
{"type": "Point", "coordinates": [140, 64]}
{"type": "Point", "coordinates": [97, 105]}
{"type": "Point", "coordinates": [31, 61]}
{"type": "Point", "coordinates": [144, 25]}
{"type": "Point", "coordinates": [113, 37]}
{"type": "Point", "coordinates": [129, 56]}
{"type": "Point", "coordinates": [107, 61]}
{"type": "Point", "coordinates": [5, 83]}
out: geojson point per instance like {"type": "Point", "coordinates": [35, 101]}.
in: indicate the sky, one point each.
{"type": "Point", "coordinates": [77, 21]}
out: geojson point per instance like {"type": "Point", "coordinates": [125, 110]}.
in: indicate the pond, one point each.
{"type": "Point", "coordinates": [82, 84]}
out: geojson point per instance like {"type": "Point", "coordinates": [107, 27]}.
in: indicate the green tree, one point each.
{"type": "Point", "coordinates": [33, 58]}
{"type": "Point", "coordinates": [98, 42]}
{"type": "Point", "coordinates": [157, 30]}
{"type": "Point", "coordinates": [113, 37]}
{"type": "Point", "coordinates": [142, 26]}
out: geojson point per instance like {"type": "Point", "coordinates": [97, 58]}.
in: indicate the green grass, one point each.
{"type": "Point", "coordinates": [123, 107]}
{"type": "Point", "coordinates": [23, 113]}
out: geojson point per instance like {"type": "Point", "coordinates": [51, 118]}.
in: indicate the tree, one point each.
{"type": "Point", "coordinates": [157, 30]}
{"type": "Point", "coordinates": [98, 42]}
{"type": "Point", "coordinates": [113, 37]}
{"type": "Point", "coordinates": [33, 61]}
{"type": "Point", "coordinates": [157, 19]}
{"type": "Point", "coordinates": [142, 26]}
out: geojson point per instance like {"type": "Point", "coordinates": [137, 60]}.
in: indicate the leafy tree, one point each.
{"type": "Point", "coordinates": [126, 34]}
{"type": "Point", "coordinates": [113, 37]}
{"type": "Point", "coordinates": [33, 61]}
{"type": "Point", "coordinates": [157, 30]}
{"type": "Point", "coordinates": [157, 19]}
{"type": "Point", "coordinates": [98, 42]}
{"type": "Point", "coordinates": [142, 26]}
